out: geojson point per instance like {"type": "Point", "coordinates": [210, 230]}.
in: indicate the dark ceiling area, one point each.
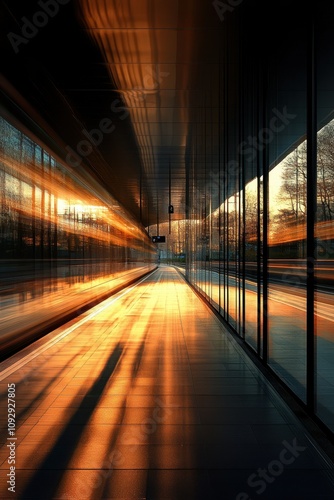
{"type": "Point", "coordinates": [88, 58]}
{"type": "Point", "coordinates": [61, 74]}
{"type": "Point", "coordinates": [140, 81]}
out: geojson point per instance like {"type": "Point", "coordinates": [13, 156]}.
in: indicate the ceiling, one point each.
{"type": "Point", "coordinates": [141, 79]}
{"type": "Point", "coordinates": [93, 57]}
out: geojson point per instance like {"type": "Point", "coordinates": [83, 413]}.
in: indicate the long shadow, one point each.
{"type": "Point", "coordinates": [22, 412]}
{"type": "Point", "coordinates": [112, 442]}
{"type": "Point", "coordinates": [133, 375]}
{"type": "Point", "coordinates": [67, 442]}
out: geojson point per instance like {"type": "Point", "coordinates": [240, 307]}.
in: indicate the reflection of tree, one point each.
{"type": "Point", "coordinates": [288, 225]}
{"type": "Point", "coordinates": [251, 216]}
{"type": "Point", "coordinates": [251, 223]}
{"type": "Point", "coordinates": [326, 173]}
{"type": "Point", "coordinates": [292, 196]}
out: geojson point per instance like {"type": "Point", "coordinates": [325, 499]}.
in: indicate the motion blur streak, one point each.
{"type": "Point", "coordinates": [65, 243]}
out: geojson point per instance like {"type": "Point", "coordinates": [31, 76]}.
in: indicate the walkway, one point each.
{"type": "Point", "coordinates": [147, 396]}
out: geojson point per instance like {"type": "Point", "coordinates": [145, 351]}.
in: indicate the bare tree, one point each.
{"type": "Point", "coordinates": [325, 188]}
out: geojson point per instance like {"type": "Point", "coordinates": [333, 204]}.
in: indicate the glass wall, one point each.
{"type": "Point", "coordinates": [261, 251]}
{"type": "Point", "coordinates": [324, 222]}
{"type": "Point", "coordinates": [48, 212]}
{"type": "Point", "coordinates": [287, 208]}
{"type": "Point", "coordinates": [64, 244]}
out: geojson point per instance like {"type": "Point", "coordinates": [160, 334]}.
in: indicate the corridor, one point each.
{"type": "Point", "coordinates": [147, 396]}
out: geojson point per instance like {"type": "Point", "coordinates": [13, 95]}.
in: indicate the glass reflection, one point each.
{"type": "Point", "coordinates": [287, 270]}
{"type": "Point", "coordinates": [63, 242]}
{"type": "Point", "coordinates": [252, 316]}
{"type": "Point", "coordinates": [324, 275]}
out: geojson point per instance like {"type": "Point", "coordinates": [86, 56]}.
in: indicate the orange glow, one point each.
{"type": "Point", "coordinates": [323, 231]}
{"type": "Point", "coordinates": [139, 43]}
{"type": "Point", "coordinates": [71, 206]}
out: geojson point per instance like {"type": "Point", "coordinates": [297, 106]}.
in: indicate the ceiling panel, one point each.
{"type": "Point", "coordinates": [151, 59]}
{"type": "Point", "coordinates": [160, 59]}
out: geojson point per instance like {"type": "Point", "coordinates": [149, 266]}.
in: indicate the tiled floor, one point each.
{"type": "Point", "coordinates": [148, 397]}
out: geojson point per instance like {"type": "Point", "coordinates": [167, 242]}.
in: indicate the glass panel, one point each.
{"type": "Point", "coordinates": [214, 257]}
{"type": "Point", "coordinates": [287, 270]}
{"type": "Point", "coordinates": [251, 256]}
{"type": "Point", "coordinates": [284, 137]}
{"type": "Point", "coordinates": [324, 304]}
{"type": "Point", "coordinates": [233, 259]}
{"type": "Point", "coordinates": [224, 265]}
{"type": "Point", "coordinates": [324, 224]}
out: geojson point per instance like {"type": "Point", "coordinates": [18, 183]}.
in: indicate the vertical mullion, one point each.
{"type": "Point", "coordinates": [311, 212]}
{"type": "Point", "coordinates": [259, 239]}
{"type": "Point", "coordinates": [265, 173]}
{"type": "Point", "coordinates": [242, 225]}
{"type": "Point", "coordinates": [227, 176]}
{"type": "Point", "coordinates": [219, 182]}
